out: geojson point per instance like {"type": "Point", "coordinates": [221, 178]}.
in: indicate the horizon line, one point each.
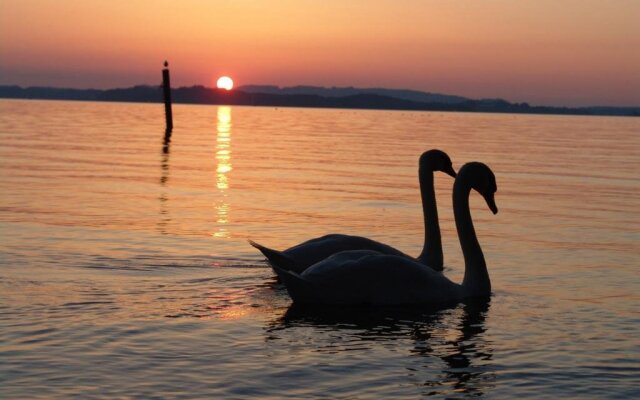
{"type": "Point", "coordinates": [238, 88]}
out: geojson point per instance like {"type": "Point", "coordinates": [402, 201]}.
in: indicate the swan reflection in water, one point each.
{"type": "Point", "coordinates": [455, 336]}
{"type": "Point", "coordinates": [223, 167]}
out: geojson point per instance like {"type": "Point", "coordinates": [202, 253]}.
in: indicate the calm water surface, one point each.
{"type": "Point", "coordinates": [125, 271]}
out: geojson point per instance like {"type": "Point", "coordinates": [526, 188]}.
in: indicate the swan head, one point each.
{"type": "Point", "coordinates": [482, 180]}
{"type": "Point", "coordinates": [436, 160]}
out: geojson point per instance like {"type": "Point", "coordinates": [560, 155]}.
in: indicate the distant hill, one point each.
{"type": "Point", "coordinates": [404, 94]}
{"type": "Point", "coordinates": [358, 99]}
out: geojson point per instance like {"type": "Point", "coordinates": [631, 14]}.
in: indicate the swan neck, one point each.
{"type": "Point", "coordinates": [432, 248]}
{"type": "Point", "coordinates": [476, 277]}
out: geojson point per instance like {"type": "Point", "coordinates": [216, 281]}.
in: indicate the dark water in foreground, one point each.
{"type": "Point", "coordinates": [125, 272]}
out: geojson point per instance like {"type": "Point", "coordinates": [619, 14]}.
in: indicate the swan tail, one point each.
{"type": "Point", "coordinates": [300, 290]}
{"type": "Point", "coordinates": [275, 257]}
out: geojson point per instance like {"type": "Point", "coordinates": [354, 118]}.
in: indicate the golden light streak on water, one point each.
{"type": "Point", "coordinates": [223, 168]}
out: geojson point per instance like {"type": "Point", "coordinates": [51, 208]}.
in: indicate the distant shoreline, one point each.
{"type": "Point", "coordinates": [369, 99]}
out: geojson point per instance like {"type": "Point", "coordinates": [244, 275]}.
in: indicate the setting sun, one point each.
{"type": "Point", "coordinates": [224, 82]}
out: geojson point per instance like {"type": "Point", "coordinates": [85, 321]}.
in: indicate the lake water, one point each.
{"type": "Point", "coordinates": [125, 270]}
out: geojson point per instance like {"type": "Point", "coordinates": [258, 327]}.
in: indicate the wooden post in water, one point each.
{"type": "Point", "coordinates": [166, 86]}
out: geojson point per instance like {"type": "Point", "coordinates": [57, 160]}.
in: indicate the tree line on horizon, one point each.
{"type": "Point", "coordinates": [307, 96]}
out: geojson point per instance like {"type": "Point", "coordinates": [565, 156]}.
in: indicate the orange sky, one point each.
{"type": "Point", "coordinates": [560, 52]}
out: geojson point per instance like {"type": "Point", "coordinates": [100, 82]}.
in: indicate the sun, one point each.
{"type": "Point", "coordinates": [224, 82]}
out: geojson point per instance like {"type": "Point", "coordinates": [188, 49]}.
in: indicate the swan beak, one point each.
{"type": "Point", "coordinates": [491, 203]}
{"type": "Point", "coordinates": [449, 171]}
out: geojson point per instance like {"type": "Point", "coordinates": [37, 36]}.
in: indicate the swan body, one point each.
{"type": "Point", "coordinates": [367, 277]}
{"type": "Point", "coordinates": [300, 257]}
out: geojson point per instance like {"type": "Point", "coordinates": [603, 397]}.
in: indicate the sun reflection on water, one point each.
{"type": "Point", "coordinates": [223, 167]}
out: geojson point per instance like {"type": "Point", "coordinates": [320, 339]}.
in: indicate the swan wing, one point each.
{"type": "Point", "coordinates": [315, 250]}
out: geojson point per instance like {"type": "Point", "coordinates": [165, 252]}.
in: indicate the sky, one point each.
{"type": "Point", "coordinates": [558, 52]}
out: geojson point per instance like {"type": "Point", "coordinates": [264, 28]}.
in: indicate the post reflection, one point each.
{"type": "Point", "coordinates": [455, 336]}
{"type": "Point", "coordinates": [223, 167]}
{"type": "Point", "coordinates": [164, 220]}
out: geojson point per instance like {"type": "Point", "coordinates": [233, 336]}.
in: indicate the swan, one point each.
{"type": "Point", "coordinates": [367, 277]}
{"type": "Point", "coordinates": [298, 258]}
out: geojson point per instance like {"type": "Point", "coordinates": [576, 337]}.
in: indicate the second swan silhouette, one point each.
{"type": "Point", "coordinates": [366, 277]}
{"type": "Point", "coordinates": [300, 257]}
